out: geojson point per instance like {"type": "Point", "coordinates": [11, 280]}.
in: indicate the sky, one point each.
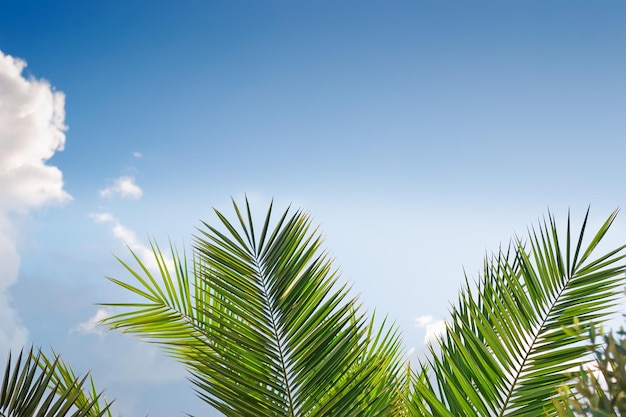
{"type": "Point", "coordinates": [419, 135]}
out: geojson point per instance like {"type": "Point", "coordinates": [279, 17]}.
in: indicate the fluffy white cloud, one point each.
{"type": "Point", "coordinates": [434, 328]}
{"type": "Point", "coordinates": [137, 154]}
{"type": "Point", "coordinates": [92, 325]}
{"type": "Point", "coordinates": [32, 129]}
{"type": "Point", "coordinates": [124, 187]}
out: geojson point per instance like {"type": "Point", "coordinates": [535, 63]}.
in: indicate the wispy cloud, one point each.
{"type": "Point", "coordinates": [128, 237]}
{"type": "Point", "coordinates": [124, 187]}
{"type": "Point", "coordinates": [124, 234]}
{"type": "Point", "coordinates": [434, 328]}
{"type": "Point", "coordinates": [92, 325]}
{"type": "Point", "coordinates": [137, 154]}
{"type": "Point", "coordinates": [32, 129]}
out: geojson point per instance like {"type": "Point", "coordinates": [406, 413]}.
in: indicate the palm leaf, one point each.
{"type": "Point", "coordinates": [262, 324]}
{"type": "Point", "coordinates": [35, 385]}
{"type": "Point", "coordinates": [510, 342]}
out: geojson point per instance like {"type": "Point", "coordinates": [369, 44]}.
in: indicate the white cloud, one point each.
{"type": "Point", "coordinates": [32, 129]}
{"type": "Point", "coordinates": [128, 237]}
{"type": "Point", "coordinates": [124, 187]}
{"type": "Point", "coordinates": [434, 328]}
{"type": "Point", "coordinates": [102, 217]}
{"type": "Point", "coordinates": [137, 154]}
{"type": "Point", "coordinates": [92, 325]}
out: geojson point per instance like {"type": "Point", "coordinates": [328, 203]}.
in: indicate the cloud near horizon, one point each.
{"type": "Point", "coordinates": [32, 130]}
{"type": "Point", "coordinates": [124, 187]}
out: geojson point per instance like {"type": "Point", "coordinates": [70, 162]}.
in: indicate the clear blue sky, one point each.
{"type": "Point", "coordinates": [420, 135]}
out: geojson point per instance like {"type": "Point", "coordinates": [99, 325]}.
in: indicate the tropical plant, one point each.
{"type": "Point", "coordinates": [512, 340]}
{"type": "Point", "coordinates": [264, 332]}
{"type": "Point", "coordinates": [258, 317]}
{"type": "Point", "coordinates": [262, 326]}
{"type": "Point", "coordinates": [42, 386]}
{"type": "Point", "coordinates": [598, 390]}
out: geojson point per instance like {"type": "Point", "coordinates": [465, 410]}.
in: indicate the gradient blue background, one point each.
{"type": "Point", "coordinates": [420, 135]}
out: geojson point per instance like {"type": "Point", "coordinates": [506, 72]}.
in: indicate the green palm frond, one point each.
{"type": "Point", "coordinates": [510, 342]}
{"type": "Point", "coordinates": [35, 385]}
{"type": "Point", "coordinates": [382, 360]}
{"type": "Point", "coordinates": [262, 324]}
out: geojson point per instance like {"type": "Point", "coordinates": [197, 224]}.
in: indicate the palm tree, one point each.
{"type": "Point", "coordinates": [264, 329]}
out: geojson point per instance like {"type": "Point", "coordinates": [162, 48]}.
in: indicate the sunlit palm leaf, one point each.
{"type": "Point", "coordinates": [508, 346]}
{"type": "Point", "coordinates": [35, 385]}
{"type": "Point", "coordinates": [262, 326]}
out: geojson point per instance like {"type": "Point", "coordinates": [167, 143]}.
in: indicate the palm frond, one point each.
{"type": "Point", "coordinates": [509, 344]}
{"type": "Point", "coordinates": [35, 385]}
{"type": "Point", "coordinates": [262, 323]}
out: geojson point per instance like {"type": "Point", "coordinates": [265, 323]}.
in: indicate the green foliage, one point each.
{"type": "Point", "coordinates": [265, 331]}
{"type": "Point", "coordinates": [265, 328]}
{"type": "Point", "coordinates": [262, 324]}
{"type": "Point", "coordinates": [600, 389]}
{"type": "Point", "coordinates": [510, 344]}
{"type": "Point", "coordinates": [35, 385]}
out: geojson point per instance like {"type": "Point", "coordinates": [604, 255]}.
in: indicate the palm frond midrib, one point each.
{"type": "Point", "coordinates": [510, 345]}
{"type": "Point", "coordinates": [533, 341]}
{"type": "Point", "coordinates": [276, 333]}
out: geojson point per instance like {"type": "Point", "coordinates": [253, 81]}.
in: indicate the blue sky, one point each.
{"type": "Point", "coordinates": [420, 135]}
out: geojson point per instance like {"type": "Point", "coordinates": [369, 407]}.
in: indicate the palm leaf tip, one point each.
{"type": "Point", "coordinates": [511, 342]}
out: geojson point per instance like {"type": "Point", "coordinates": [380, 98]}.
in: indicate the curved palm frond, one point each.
{"type": "Point", "coordinates": [509, 345]}
{"type": "Point", "coordinates": [35, 385]}
{"type": "Point", "coordinates": [262, 326]}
